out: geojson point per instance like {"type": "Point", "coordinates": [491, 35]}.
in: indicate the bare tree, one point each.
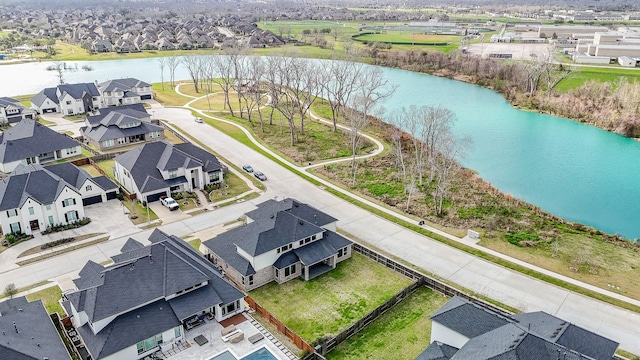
{"type": "Point", "coordinates": [225, 71]}
{"type": "Point", "coordinates": [305, 86]}
{"type": "Point", "coordinates": [253, 94]}
{"type": "Point", "coordinates": [162, 62]}
{"type": "Point", "coordinates": [193, 63]}
{"type": "Point", "coordinates": [173, 62]}
{"type": "Point", "coordinates": [450, 151]}
{"type": "Point", "coordinates": [281, 78]}
{"type": "Point", "coordinates": [342, 83]}
{"type": "Point", "coordinates": [372, 88]}
{"type": "Point", "coordinates": [59, 67]}
{"type": "Point", "coordinates": [10, 290]}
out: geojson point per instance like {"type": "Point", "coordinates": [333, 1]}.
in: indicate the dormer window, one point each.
{"type": "Point", "coordinates": [173, 174]}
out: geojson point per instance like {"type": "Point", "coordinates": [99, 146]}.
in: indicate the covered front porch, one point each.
{"type": "Point", "coordinates": [317, 258]}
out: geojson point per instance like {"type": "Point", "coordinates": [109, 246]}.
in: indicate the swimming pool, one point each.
{"type": "Point", "coordinates": [261, 354]}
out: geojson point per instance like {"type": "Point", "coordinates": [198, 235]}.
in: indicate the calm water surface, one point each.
{"type": "Point", "coordinates": [575, 171]}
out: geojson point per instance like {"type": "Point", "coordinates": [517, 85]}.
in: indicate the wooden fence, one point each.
{"type": "Point", "coordinates": [282, 328]}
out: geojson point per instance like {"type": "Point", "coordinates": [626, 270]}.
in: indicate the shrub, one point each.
{"type": "Point", "coordinates": [61, 227]}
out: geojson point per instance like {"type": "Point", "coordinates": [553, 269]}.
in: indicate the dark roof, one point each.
{"type": "Point", "coordinates": [209, 161]}
{"type": "Point", "coordinates": [145, 162]}
{"type": "Point", "coordinates": [31, 182]}
{"type": "Point", "coordinates": [314, 252]}
{"type": "Point", "coordinates": [294, 207]}
{"type": "Point", "coordinates": [77, 176]}
{"type": "Point", "coordinates": [155, 271]}
{"type": "Point", "coordinates": [114, 114]}
{"type": "Point", "coordinates": [147, 275]}
{"type": "Point", "coordinates": [468, 319]}
{"type": "Point", "coordinates": [129, 329]}
{"type": "Point", "coordinates": [78, 91]}
{"type": "Point", "coordinates": [37, 337]}
{"type": "Point", "coordinates": [287, 259]}
{"type": "Point", "coordinates": [7, 102]}
{"type": "Point", "coordinates": [531, 336]}
{"type": "Point", "coordinates": [225, 248]}
{"type": "Point", "coordinates": [121, 84]}
{"type": "Point", "coordinates": [437, 351]}
{"type": "Point", "coordinates": [48, 93]}
{"type": "Point", "coordinates": [30, 138]}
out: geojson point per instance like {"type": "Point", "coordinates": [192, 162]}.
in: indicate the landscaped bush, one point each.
{"type": "Point", "coordinates": [57, 242]}
{"type": "Point", "coordinates": [16, 237]}
{"type": "Point", "coordinates": [61, 227]}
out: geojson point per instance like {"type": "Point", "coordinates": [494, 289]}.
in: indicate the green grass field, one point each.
{"type": "Point", "coordinates": [409, 37]}
{"type": "Point", "coordinates": [328, 304]}
{"type": "Point", "coordinates": [600, 74]}
{"type": "Point", "coordinates": [408, 322]}
{"type": "Point", "coordinates": [49, 297]}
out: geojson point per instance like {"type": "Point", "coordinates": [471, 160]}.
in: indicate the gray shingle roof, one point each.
{"type": "Point", "coordinates": [48, 93]}
{"type": "Point", "coordinates": [31, 182]}
{"type": "Point", "coordinates": [145, 162]}
{"type": "Point", "coordinates": [77, 176]}
{"type": "Point", "coordinates": [37, 338]}
{"type": "Point", "coordinates": [121, 84]}
{"type": "Point", "coordinates": [437, 351]}
{"type": "Point", "coordinates": [77, 91]}
{"type": "Point", "coordinates": [30, 138]}
{"type": "Point", "coordinates": [293, 206]}
{"type": "Point", "coordinates": [531, 336]}
{"type": "Point", "coordinates": [146, 277]}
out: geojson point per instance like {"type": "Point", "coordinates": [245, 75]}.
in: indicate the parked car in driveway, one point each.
{"type": "Point", "coordinates": [247, 168]}
{"type": "Point", "coordinates": [169, 203]}
{"type": "Point", "coordinates": [260, 176]}
{"type": "Point", "coordinates": [198, 120]}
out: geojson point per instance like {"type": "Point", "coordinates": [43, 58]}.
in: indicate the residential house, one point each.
{"type": "Point", "coordinates": [29, 142]}
{"type": "Point", "coordinates": [34, 197]}
{"type": "Point", "coordinates": [12, 111]}
{"type": "Point", "coordinates": [120, 126]}
{"type": "Point", "coordinates": [282, 240]}
{"type": "Point", "coordinates": [148, 298]}
{"type": "Point", "coordinates": [124, 91]}
{"type": "Point", "coordinates": [28, 332]}
{"type": "Point", "coordinates": [466, 330]}
{"type": "Point", "coordinates": [69, 99]}
{"type": "Point", "coordinates": [101, 46]}
{"type": "Point", "coordinates": [160, 169]}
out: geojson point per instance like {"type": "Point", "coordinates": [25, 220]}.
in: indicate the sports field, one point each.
{"type": "Point", "coordinates": [409, 37]}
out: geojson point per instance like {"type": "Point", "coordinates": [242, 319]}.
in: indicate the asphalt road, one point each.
{"type": "Point", "coordinates": [479, 276]}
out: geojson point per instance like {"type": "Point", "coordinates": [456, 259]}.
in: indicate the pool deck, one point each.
{"type": "Point", "coordinates": [210, 330]}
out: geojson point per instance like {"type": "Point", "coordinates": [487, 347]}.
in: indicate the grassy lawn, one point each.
{"type": "Point", "coordinates": [233, 186]}
{"type": "Point", "coordinates": [408, 322]}
{"type": "Point", "coordinates": [49, 297]}
{"type": "Point", "coordinates": [584, 74]}
{"type": "Point", "coordinates": [328, 304]}
{"type": "Point", "coordinates": [409, 37]}
{"type": "Point", "coordinates": [107, 166]}
{"type": "Point", "coordinates": [216, 102]}
{"type": "Point", "coordinates": [66, 51]}
{"type": "Point", "coordinates": [142, 214]}
{"type": "Point", "coordinates": [168, 97]}
{"type": "Point", "coordinates": [91, 170]}
{"type": "Point", "coordinates": [195, 243]}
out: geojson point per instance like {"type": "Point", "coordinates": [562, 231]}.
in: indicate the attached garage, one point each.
{"type": "Point", "coordinates": [112, 195]}
{"type": "Point", "coordinates": [155, 197]}
{"type": "Point", "coordinates": [49, 110]}
{"type": "Point", "coordinates": [92, 200]}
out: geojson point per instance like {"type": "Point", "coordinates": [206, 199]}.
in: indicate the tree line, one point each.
{"type": "Point", "coordinates": [531, 84]}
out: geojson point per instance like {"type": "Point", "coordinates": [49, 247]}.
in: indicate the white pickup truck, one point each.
{"type": "Point", "coordinates": [169, 203]}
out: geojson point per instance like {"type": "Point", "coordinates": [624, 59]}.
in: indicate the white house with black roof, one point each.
{"type": "Point", "coordinates": [124, 91]}
{"type": "Point", "coordinates": [463, 330]}
{"type": "Point", "coordinates": [281, 240]}
{"type": "Point", "coordinates": [120, 126]}
{"type": "Point", "coordinates": [148, 298]}
{"type": "Point", "coordinates": [68, 99]}
{"type": "Point", "coordinates": [28, 332]}
{"type": "Point", "coordinates": [159, 169]}
{"type": "Point", "coordinates": [12, 111]}
{"type": "Point", "coordinates": [29, 142]}
{"type": "Point", "coordinates": [33, 197]}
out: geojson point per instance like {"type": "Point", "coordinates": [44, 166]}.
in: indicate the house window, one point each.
{"type": "Point", "coordinates": [289, 270]}
{"type": "Point", "coordinates": [214, 176]}
{"type": "Point", "coordinates": [68, 202]}
{"type": "Point", "coordinates": [72, 150]}
{"type": "Point", "coordinates": [31, 160]}
{"type": "Point", "coordinates": [68, 102]}
{"type": "Point", "coordinates": [230, 307]}
{"type": "Point", "coordinates": [50, 220]}
{"type": "Point", "coordinates": [15, 227]}
{"type": "Point", "coordinates": [31, 211]}
{"type": "Point", "coordinates": [301, 242]}
{"type": "Point", "coordinates": [122, 140]}
{"type": "Point", "coordinates": [177, 331]}
{"type": "Point", "coordinates": [88, 188]}
{"type": "Point", "coordinates": [140, 347]}
{"type": "Point", "coordinates": [248, 280]}
{"type": "Point", "coordinates": [154, 134]}
{"type": "Point", "coordinates": [71, 216]}
{"type": "Point", "coordinates": [107, 143]}
{"type": "Point", "coordinates": [277, 273]}
{"type": "Point", "coordinates": [173, 174]}
{"type": "Point", "coordinates": [12, 212]}
{"type": "Point", "coordinates": [342, 252]}
{"type": "Point", "coordinates": [48, 206]}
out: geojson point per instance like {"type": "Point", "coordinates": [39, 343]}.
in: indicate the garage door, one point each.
{"type": "Point", "coordinates": [92, 200]}
{"type": "Point", "coordinates": [155, 197]}
{"type": "Point", "coordinates": [46, 111]}
{"type": "Point", "coordinates": [112, 195]}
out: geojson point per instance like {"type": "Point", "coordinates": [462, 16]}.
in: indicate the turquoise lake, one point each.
{"type": "Point", "coordinates": [575, 171]}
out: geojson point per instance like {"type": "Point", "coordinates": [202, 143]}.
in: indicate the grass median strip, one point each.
{"type": "Point", "coordinates": [62, 251]}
